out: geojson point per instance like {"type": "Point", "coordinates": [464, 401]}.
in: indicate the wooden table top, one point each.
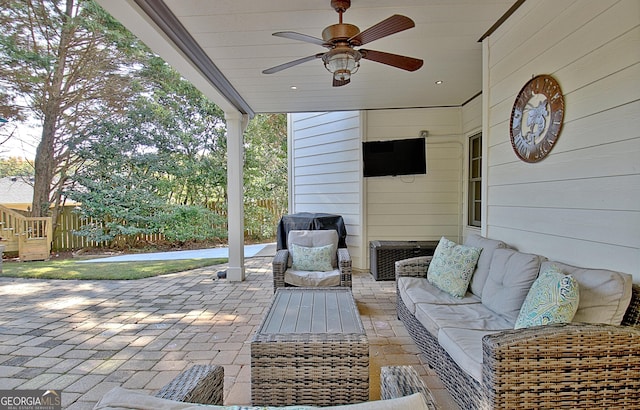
{"type": "Point", "coordinates": [312, 311]}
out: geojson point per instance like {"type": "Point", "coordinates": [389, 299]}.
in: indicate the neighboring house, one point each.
{"type": "Point", "coordinates": [16, 192]}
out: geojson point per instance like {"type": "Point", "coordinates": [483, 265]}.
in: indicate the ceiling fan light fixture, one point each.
{"type": "Point", "coordinates": [342, 62]}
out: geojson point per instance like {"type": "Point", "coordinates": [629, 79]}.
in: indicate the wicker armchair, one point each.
{"type": "Point", "coordinates": [201, 384]}
{"type": "Point", "coordinates": [281, 261]}
{"type": "Point", "coordinates": [570, 365]}
{"type": "Point", "coordinates": [205, 384]}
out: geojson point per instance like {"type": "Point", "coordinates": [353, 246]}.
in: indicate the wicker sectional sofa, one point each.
{"type": "Point", "coordinates": [484, 363]}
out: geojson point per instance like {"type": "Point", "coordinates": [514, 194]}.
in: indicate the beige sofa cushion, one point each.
{"type": "Point", "coordinates": [121, 399]}
{"type": "Point", "coordinates": [419, 290]}
{"type": "Point", "coordinates": [313, 278]}
{"type": "Point", "coordinates": [511, 275]}
{"type": "Point", "coordinates": [465, 348]}
{"type": "Point", "coordinates": [604, 294]}
{"type": "Point", "coordinates": [474, 316]}
{"type": "Point", "coordinates": [481, 273]}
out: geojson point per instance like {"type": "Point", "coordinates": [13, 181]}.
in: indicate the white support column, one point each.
{"type": "Point", "coordinates": [236, 123]}
{"type": "Point", "coordinates": [486, 121]}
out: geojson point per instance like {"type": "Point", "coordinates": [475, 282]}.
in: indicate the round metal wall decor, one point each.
{"type": "Point", "coordinates": [536, 118]}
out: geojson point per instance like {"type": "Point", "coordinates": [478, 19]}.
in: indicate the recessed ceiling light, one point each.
{"type": "Point", "coordinates": [293, 87]}
{"type": "Point", "coordinates": [439, 82]}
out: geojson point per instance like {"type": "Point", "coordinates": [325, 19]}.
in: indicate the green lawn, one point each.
{"type": "Point", "coordinates": [72, 269]}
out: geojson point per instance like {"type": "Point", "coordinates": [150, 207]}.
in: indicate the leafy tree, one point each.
{"type": "Point", "coordinates": [186, 223]}
{"type": "Point", "coordinates": [14, 166]}
{"type": "Point", "coordinates": [189, 132]}
{"type": "Point", "coordinates": [122, 132]}
{"type": "Point", "coordinates": [63, 63]}
{"type": "Point", "coordinates": [150, 169]}
{"type": "Point", "coordinates": [137, 173]}
{"type": "Point", "coordinates": [5, 133]}
{"type": "Point", "coordinates": [265, 172]}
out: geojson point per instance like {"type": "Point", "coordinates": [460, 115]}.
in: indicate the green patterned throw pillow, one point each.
{"type": "Point", "coordinates": [553, 298]}
{"type": "Point", "coordinates": [317, 259]}
{"type": "Point", "coordinates": [452, 266]}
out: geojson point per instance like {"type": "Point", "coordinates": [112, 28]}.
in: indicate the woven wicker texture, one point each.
{"type": "Point", "coordinates": [564, 366]}
{"type": "Point", "coordinates": [557, 366]}
{"type": "Point", "coordinates": [384, 254]}
{"type": "Point", "coordinates": [395, 381]}
{"type": "Point", "coordinates": [464, 389]}
{"type": "Point", "coordinates": [399, 381]}
{"type": "Point", "coordinates": [632, 315]}
{"type": "Point", "coordinates": [279, 266]}
{"type": "Point", "coordinates": [199, 384]}
{"type": "Point", "coordinates": [317, 367]}
{"type": "Point", "coordinates": [413, 267]}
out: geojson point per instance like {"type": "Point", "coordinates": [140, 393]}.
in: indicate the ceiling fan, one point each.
{"type": "Point", "coordinates": [342, 59]}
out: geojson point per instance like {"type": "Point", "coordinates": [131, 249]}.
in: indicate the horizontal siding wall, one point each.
{"type": "Point", "coordinates": [580, 205]}
{"type": "Point", "coordinates": [420, 207]}
{"type": "Point", "coordinates": [325, 166]}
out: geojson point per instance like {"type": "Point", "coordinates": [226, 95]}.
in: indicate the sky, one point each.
{"type": "Point", "coordinates": [22, 143]}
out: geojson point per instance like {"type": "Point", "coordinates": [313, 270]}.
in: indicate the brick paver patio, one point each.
{"type": "Point", "coordinates": [86, 337]}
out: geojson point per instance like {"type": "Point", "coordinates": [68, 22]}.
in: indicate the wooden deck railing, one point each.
{"type": "Point", "coordinates": [30, 237]}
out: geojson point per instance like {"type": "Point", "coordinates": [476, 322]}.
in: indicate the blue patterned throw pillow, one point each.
{"type": "Point", "coordinates": [316, 259]}
{"type": "Point", "coordinates": [553, 298]}
{"type": "Point", "coordinates": [452, 266]}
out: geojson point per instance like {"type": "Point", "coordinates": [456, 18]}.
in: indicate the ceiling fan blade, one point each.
{"type": "Point", "coordinates": [291, 64]}
{"type": "Point", "coordinates": [395, 60]}
{"type": "Point", "coordinates": [391, 25]}
{"type": "Point", "coordinates": [340, 83]}
{"type": "Point", "coordinates": [292, 35]}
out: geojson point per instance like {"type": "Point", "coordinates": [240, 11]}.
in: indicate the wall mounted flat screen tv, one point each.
{"type": "Point", "coordinates": [394, 157]}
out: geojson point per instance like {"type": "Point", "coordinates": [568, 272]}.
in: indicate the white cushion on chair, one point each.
{"type": "Point", "coordinates": [312, 279]}
{"type": "Point", "coordinates": [312, 239]}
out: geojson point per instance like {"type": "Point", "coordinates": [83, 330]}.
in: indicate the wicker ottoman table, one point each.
{"type": "Point", "coordinates": [311, 348]}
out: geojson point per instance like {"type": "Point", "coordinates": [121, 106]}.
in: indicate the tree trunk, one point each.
{"type": "Point", "coordinates": [44, 169]}
{"type": "Point", "coordinates": [46, 161]}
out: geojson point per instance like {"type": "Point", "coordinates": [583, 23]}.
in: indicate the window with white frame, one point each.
{"type": "Point", "coordinates": [475, 180]}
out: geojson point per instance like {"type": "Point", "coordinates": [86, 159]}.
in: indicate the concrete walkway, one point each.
{"type": "Point", "coordinates": [267, 249]}
{"type": "Point", "coordinates": [85, 337]}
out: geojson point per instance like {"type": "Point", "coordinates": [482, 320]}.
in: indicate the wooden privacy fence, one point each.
{"type": "Point", "coordinates": [69, 222]}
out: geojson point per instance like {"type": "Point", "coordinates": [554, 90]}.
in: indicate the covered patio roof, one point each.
{"type": "Point", "coordinates": [223, 46]}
